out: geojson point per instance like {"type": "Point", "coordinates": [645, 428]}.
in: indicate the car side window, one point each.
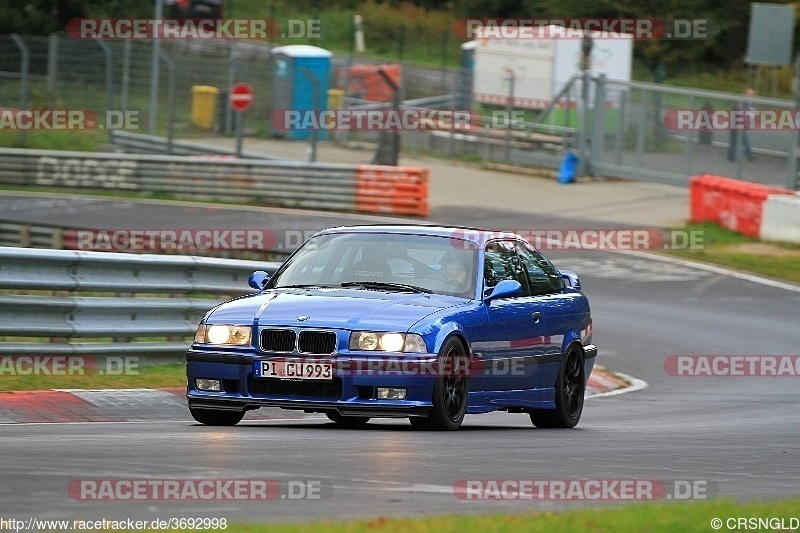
{"type": "Point", "coordinates": [501, 262]}
{"type": "Point", "coordinates": [544, 277]}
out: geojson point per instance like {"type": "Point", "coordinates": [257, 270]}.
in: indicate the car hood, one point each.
{"type": "Point", "coordinates": [351, 309]}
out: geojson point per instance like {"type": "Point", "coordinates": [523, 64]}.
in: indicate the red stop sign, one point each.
{"type": "Point", "coordinates": [241, 96]}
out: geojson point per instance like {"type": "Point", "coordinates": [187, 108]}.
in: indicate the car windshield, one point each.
{"type": "Point", "coordinates": [383, 261]}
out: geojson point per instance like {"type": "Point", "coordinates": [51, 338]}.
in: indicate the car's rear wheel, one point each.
{"type": "Point", "coordinates": [347, 421]}
{"type": "Point", "coordinates": [217, 417]}
{"type": "Point", "coordinates": [449, 391]}
{"type": "Point", "coordinates": [569, 391]}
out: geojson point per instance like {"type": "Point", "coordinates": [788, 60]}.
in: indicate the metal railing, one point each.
{"type": "Point", "coordinates": [281, 182]}
{"type": "Point", "coordinates": [141, 297]}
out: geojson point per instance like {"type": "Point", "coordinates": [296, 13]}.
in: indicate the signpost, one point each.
{"type": "Point", "coordinates": [240, 99]}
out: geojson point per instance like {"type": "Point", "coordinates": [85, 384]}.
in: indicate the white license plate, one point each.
{"type": "Point", "coordinates": [300, 369]}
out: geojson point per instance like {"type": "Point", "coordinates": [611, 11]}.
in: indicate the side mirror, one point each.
{"type": "Point", "coordinates": [507, 288]}
{"type": "Point", "coordinates": [571, 279]}
{"type": "Point", "coordinates": [258, 280]}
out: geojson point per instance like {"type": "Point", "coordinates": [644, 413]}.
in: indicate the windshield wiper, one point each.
{"type": "Point", "coordinates": [386, 285]}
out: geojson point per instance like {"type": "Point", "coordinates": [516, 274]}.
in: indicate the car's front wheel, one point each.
{"type": "Point", "coordinates": [347, 421]}
{"type": "Point", "coordinates": [569, 391]}
{"type": "Point", "coordinates": [217, 417]}
{"type": "Point", "coordinates": [449, 391]}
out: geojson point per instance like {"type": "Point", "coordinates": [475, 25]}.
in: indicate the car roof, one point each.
{"type": "Point", "coordinates": [476, 235]}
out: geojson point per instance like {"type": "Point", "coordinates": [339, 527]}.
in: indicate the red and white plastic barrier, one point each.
{"type": "Point", "coordinates": [748, 208]}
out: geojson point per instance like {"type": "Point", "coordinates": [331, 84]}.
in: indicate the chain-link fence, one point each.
{"type": "Point", "coordinates": [617, 128]}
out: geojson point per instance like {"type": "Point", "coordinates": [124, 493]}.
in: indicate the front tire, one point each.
{"type": "Point", "coordinates": [569, 390]}
{"type": "Point", "coordinates": [351, 422]}
{"type": "Point", "coordinates": [449, 391]}
{"type": "Point", "coordinates": [217, 417]}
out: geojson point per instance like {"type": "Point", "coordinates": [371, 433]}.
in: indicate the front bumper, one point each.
{"type": "Point", "coordinates": [349, 394]}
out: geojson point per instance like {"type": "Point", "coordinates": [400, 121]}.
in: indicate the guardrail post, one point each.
{"type": "Point", "coordinates": [25, 68]}
{"type": "Point", "coordinates": [25, 236]}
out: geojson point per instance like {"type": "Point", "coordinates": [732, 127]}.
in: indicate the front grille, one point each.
{"type": "Point", "coordinates": [317, 342]}
{"type": "Point", "coordinates": [283, 387]}
{"type": "Point", "coordinates": [277, 340]}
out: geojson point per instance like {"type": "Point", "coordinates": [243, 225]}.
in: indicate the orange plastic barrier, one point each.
{"type": "Point", "coordinates": [733, 204]}
{"type": "Point", "coordinates": [397, 190]}
{"type": "Point", "coordinates": [365, 82]}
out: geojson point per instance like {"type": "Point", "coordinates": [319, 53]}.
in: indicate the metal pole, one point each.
{"type": "Point", "coordinates": [395, 152]}
{"type": "Point", "coordinates": [52, 69]}
{"type": "Point", "coordinates": [509, 109]}
{"type": "Point", "coordinates": [154, 74]}
{"type": "Point", "coordinates": [584, 136]}
{"type": "Point", "coordinates": [109, 83]}
{"type": "Point", "coordinates": [689, 142]}
{"type": "Point", "coordinates": [239, 132]}
{"type": "Point", "coordinates": [314, 131]}
{"type": "Point", "coordinates": [622, 123]}
{"type": "Point", "coordinates": [24, 77]}
{"type": "Point", "coordinates": [171, 102]}
{"type": "Point", "coordinates": [126, 75]}
{"type": "Point", "coordinates": [598, 123]}
{"type": "Point", "coordinates": [231, 71]}
{"type": "Point", "coordinates": [791, 172]}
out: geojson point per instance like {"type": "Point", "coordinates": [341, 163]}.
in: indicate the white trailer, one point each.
{"type": "Point", "coordinates": [543, 66]}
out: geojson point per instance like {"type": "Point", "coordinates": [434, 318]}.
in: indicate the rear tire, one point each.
{"type": "Point", "coordinates": [450, 391]}
{"type": "Point", "coordinates": [569, 391]}
{"type": "Point", "coordinates": [217, 417]}
{"type": "Point", "coordinates": [351, 422]}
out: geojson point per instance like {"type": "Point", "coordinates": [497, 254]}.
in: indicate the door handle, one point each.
{"type": "Point", "coordinates": [537, 316]}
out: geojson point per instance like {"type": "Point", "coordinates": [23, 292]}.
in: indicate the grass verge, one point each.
{"type": "Point", "coordinates": [156, 376]}
{"type": "Point", "coordinates": [729, 249]}
{"type": "Point", "coordinates": [651, 517]}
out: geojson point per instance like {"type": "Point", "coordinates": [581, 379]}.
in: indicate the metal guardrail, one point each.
{"type": "Point", "coordinates": [138, 143]}
{"type": "Point", "coordinates": [72, 314]}
{"type": "Point", "coordinates": [285, 183]}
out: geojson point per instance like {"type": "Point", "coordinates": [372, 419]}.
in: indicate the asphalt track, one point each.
{"type": "Point", "coordinates": [737, 434]}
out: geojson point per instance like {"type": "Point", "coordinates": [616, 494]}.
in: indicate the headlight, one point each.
{"type": "Point", "coordinates": [223, 334]}
{"type": "Point", "coordinates": [386, 342]}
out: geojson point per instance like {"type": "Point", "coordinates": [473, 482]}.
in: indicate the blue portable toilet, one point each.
{"type": "Point", "coordinates": [292, 87]}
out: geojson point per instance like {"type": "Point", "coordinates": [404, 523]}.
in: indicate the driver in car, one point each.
{"type": "Point", "coordinates": [456, 273]}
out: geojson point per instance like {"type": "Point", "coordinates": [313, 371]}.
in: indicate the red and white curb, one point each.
{"type": "Point", "coordinates": [144, 405]}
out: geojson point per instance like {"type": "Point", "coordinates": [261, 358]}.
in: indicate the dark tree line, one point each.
{"type": "Point", "coordinates": [41, 17]}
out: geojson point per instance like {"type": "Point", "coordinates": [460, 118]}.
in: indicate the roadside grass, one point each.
{"type": "Point", "coordinates": [727, 248]}
{"type": "Point", "coordinates": [170, 375]}
{"type": "Point", "coordinates": [651, 517]}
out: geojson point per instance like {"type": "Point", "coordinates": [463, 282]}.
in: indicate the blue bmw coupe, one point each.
{"type": "Point", "coordinates": [425, 322]}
